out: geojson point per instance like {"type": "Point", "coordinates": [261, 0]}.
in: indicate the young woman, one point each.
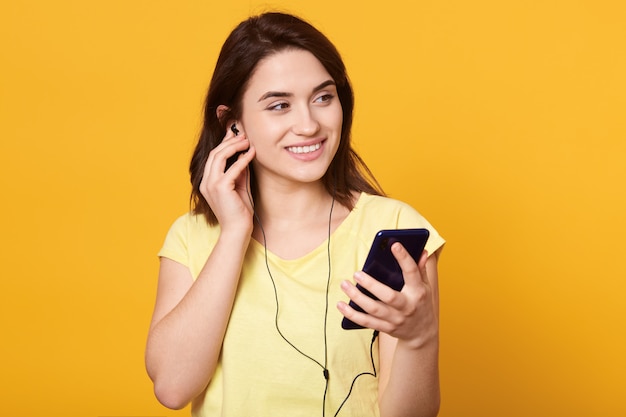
{"type": "Point", "coordinates": [255, 280]}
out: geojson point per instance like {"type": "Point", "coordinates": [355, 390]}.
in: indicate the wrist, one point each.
{"type": "Point", "coordinates": [425, 341]}
{"type": "Point", "coordinates": [235, 237]}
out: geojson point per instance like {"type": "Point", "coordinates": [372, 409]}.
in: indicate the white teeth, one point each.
{"type": "Point", "coordinates": [304, 149]}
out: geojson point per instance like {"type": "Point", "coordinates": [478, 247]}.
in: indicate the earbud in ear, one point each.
{"type": "Point", "coordinates": [234, 129]}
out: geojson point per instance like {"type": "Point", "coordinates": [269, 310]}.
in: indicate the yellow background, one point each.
{"type": "Point", "coordinates": [502, 122]}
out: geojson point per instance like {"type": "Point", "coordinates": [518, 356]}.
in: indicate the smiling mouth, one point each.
{"type": "Point", "coordinates": [304, 149]}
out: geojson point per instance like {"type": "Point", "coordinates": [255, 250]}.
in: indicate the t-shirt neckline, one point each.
{"type": "Point", "coordinates": [321, 248]}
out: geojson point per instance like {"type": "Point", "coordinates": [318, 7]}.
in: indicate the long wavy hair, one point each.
{"type": "Point", "coordinates": [251, 41]}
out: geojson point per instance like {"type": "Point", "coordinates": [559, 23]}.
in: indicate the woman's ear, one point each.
{"type": "Point", "coordinates": [223, 114]}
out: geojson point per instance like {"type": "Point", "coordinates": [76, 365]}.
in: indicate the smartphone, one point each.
{"type": "Point", "coordinates": [233, 158]}
{"type": "Point", "coordinates": [382, 265]}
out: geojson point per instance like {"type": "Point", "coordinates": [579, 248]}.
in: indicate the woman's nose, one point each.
{"type": "Point", "coordinates": [306, 123]}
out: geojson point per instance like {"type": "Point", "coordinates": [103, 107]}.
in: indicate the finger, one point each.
{"type": "Point", "coordinates": [229, 147]}
{"type": "Point", "coordinates": [422, 267]}
{"type": "Point", "coordinates": [239, 169]}
{"type": "Point", "coordinates": [228, 138]}
{"type": "Point", "coordinates": [411, 271]}
{"type": "Point", "coordinates": [364, 319]}
{"type": "Point", "coordinates": [244, 157]}
{"type": "Point", "coordinates": [384, 296]}
{"type": "Point", "coordinates": [356, 316]}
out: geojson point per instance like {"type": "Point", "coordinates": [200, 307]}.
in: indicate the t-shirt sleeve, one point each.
{"type": "Point", "coordinates": [410, 218]}
{"type": "Point", "coordinates": [175, 244]}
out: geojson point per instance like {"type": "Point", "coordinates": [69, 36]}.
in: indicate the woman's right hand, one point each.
{"type": "Point", "coordinates": [227, 193]}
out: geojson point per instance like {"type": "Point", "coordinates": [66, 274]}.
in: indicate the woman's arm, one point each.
{"type": "Point", "coordinates": [189, 322]}
{"type": "Point", "coordinates": [190, 317]}
{"type": "Point", "coordinates": [409, 374]}
{"type": "Point", "coordinates": [409, 339]}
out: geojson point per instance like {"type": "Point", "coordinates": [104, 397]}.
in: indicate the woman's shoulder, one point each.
{"type": "Point", "coordinates": [191, 228]}
{"type": "Point", "coordinates": [191, 219]}
{"type": "Point", "coordinates": [189, 241]}
{"type": "Point", "coordinates": [374, 212]}
{"type": "Point", "coordinates": [378, 204]}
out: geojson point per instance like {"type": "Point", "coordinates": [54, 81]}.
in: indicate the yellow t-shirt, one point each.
{"type": "Point", "coordinates": [261, 374]}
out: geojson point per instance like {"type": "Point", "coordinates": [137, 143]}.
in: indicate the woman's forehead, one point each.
{"type": "Point", "coordinates": [290, 71]}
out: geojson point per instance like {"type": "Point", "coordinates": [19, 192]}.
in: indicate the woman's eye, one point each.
{"type": "Point", "coordinates": [324, 98]}
{"type": "Point", "coordinates": [279, 106]}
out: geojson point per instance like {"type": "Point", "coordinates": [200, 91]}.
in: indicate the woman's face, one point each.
{"type": "Point", "coordinates": [292, 116]}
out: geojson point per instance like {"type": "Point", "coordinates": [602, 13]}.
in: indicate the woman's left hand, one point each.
{"type": "Point", "coordinates": [409, 315]}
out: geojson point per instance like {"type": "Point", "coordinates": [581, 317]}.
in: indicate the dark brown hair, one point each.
{"type": "Point", "coordinates": [251, 41]}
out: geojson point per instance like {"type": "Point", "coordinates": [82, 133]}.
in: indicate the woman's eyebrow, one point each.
{"type": "Point", "coordinates": [324, 85]}
{"type": "Point", "coordinates": [272, 94]}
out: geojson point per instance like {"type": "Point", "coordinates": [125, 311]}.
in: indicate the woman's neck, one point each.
{"type": "Point", "coordinates": [293, 222]}
{"type": "Point", "coordinates": [290, 206]}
